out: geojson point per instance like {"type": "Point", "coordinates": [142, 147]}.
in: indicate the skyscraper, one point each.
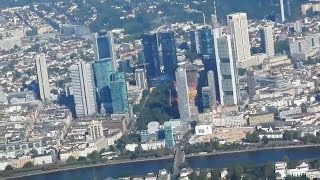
{"type": "Point", "coordinates": [140, 76]}
{"type": "Point", "coordinates": [119, 95]}
{"type": "Point", "coordinates": [267, 42]}
{"type": "Point", "coordinates": [194, 42]}
{"type": "Point", "coordinates": [283, 18]}
{"type": "Point", "coordinates": [227, 71]}
{"type": "Point", "coordinates": [214, 18]}
{"type": "Point", "coordinates": [207, 50]}
{"type": "Point", "coordinates": [103, 70]}
{"type": "Point", "coordinates": [151, 55]}
{"type": "Point", "coordinates": [183, 94]}
{"type": "Point", "coordinates": [169, 53]}
{"type": "Point", "coordinates": [42, 75]}
{"type": "Point", "coordinates": [168, 132]}
{"type": "Point", "coordinates": [103, 47]}
{"type": "Point", "coordinates": [238, 26]}
{"type": "Point", "coordinates": [213, 89]}
{"type": "Point", "coordinates": [83, 88]}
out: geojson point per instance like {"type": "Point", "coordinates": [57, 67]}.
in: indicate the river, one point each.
{"type": "Point", "coordinates": [209, 161]}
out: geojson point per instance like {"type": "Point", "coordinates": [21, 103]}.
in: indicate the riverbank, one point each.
{"type": "Point", "coordinates": [119, 162]}
{"type": "Point", "coordinates": [252, 150]}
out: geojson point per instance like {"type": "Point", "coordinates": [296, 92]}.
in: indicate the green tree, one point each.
{"type": "Point", "coordinates": [28, 165]}
{"type": "Point", "coordinates": [94, 156]}
{"type": "Point", "coordinates": [81, 158]}
{"type": "Point", "coordinates": [34, 152]}
{"type": "Point", "coordinates": [71, 160]}
{"type": "Point", "coordinates": [265, 140]}
{"type": "Point", "coordinates": [287, 135]}
{"type": "Point", "coordinates": [8, 168]}
{"type": "Point", "coordinates": [253, 137]}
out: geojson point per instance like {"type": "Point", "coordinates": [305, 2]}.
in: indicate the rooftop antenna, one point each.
{"type": "Point", "coordinates": [215, 7]}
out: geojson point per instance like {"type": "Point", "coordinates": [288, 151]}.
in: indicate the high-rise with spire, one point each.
{"type": "Point", "coordinates": [214, 17]}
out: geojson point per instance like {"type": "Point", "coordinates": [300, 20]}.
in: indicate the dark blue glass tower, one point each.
{"type": "Point", "coordinates": [169, 53]}
{"type": "Point", "coordinates": [151, 55]}
{"type": "Point", "coordinates": [207, 52]}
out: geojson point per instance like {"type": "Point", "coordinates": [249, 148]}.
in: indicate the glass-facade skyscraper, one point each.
{"type": "Point", "coordinates": [119, 96]}
{"type": "Point", "coordinates": [207, 51]}
{"type": "Point", "coordinates": [151, 55]}
{"type": "Point", "coordinates": [169, 53]}
{"type": "Point", "coordinates": [103, 69]}
{"type": "Point", "coordinates": [103, 47]}
{"type": "Point", "coordinates": [168, 131]}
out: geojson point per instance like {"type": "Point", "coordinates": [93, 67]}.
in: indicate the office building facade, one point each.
{"type": "Point", "coordinates": [103, 70]}
{"type": "Point", "coordinates": [169, 136]}
{"type": "Point", "coordinates": [119, 95]}
{"type": "Point", "coordinates": [168, 50]}
{"type": "Point", "coordinates": [42, 76]}
{"type": "Point", "coordinates": [151, 55]}
{"type": "Point", "coordinates": [227, 71]}
{"type": "Point", "coordinates": [103, 47]}
{"type": "Point", "coordinates": [183, 94]}
{"type": "Point", "coordinates": [141, 79]}
{"type": "Point", "coordinates": [213, 89]}
{"type": "Point", "coordinates": [238, 26]}
{"type": "Point", "coordinates": [83, 88]}
{"type": "Point", "coordinates": [267, 42]}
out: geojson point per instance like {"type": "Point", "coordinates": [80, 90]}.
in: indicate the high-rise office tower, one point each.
{"type": "Point", "coordinates": [168, 131]}
{"type": "Point", "coordinates": [103, 70]}
{"type": "Point", "coordinates": [227, 71]}
{"type": "Point", "coordinates": [119, 93]}
{"type": "Point", "coordinates": [267, 42]}
{"type": "Point", "coordinates": [141, 80]}
{"type": "Point", "coordinates": [151, 55]}
{"type": "Point", "coordinates": [238, 26]}
{"type": "Point", "coordinates": [103, 47]}
{"type": "Point", "coordinates": [194, 42]}
{"type": "Point", "coordinates": [214, 18]}
{"type": "Point", "coordinates": [207, 50]}
{"type": "Point", "coordinates": [83, 88]}
{"type": "Point", "coordinates": [213, 90]}
{"type": "Point", "coordinates": [169, 53]}
{"type": "Point", "coordinates": [283, 18]}
{"type": "Point", "coordinates": [183, 93]}
{"type": "Point", "coordinates": [42, 75]}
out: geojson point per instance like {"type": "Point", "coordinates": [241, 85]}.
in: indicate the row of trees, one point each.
{"type": "Point", "coordinates": [210, 147]}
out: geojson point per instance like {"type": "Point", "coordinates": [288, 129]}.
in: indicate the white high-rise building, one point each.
{"type": "Point", "coordinates": [42, 75]}
{"type": "Point", "coordinates": [183, 93]}
{"type": "Point", "coordinates": [227, 70]}
{"type": "Point", "coordinates": [283, 18]}
{"type": "Point", "coordinates": [83, 88]}
{"type": "Point", "coordinates": [267, 42]}
{"type": "Point", "coordinates": [141, 80]}
{"type": "Point", "coordinates": [238, 26]}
